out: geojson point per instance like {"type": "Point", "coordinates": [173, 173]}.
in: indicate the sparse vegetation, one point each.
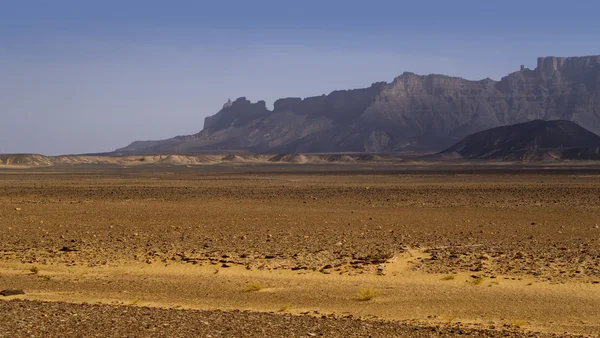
{"type": "Point", "coordinates": [252, 287]}
{"type": "Point", "coordinates": [517, 323]}
{"type": "Point", "coordinates": [284, 307]}
{"type": "Point", "coordinates": [230, 216]}
{"type": "Point", "coordinates": [449, 318]}
{"type": "Point", "coordinates": [449, 277]}
{"type": "Point", "coordinates": [477, 280]}
{"type": "Point", "coordinates": [366, 294]}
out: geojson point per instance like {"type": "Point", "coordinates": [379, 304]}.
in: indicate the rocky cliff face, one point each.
{"type": "Point", "coordinates": [412, 113]}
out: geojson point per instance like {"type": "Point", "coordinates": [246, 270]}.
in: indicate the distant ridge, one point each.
{"type": "Point", "coordinates": [412, 113]}
{"type": "Point", "coordinates": [34, 160]}
{"type": "Point", "coordinates": [535, 140]}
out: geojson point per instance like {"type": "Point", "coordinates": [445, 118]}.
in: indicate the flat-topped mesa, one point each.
{"type": "Point", "coordinates": [238, 112]}
{"type": "Point", "coordinates": [566, 65]}
{"type": "Point", "coordinates": [334, 101]}
{"type": "Point", "coordinates": [288, 103]}
{"type": "Point", "coordinates": [337, 105]}
{"type": "Point", "coordinates": [242, 102]}
{"type": "Point", "coordinates": [409, 84]}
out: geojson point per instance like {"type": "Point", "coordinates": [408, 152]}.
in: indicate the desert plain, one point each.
{"type": "Point", "coordinates": [287, 250]}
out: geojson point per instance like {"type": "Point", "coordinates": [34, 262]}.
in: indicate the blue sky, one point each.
{"type": "Point", "coordinates": [88, 76]}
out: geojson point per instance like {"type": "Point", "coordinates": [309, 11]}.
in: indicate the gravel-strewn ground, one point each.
{"type": "Point", "coordinates": [48, 319]}
{"type": "Point", "coordinates": [532, 224]}
{"type": "Point", "coordinates": [511, 223]}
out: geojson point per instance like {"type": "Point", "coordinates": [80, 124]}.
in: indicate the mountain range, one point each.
{"type": "Point", "coordinates": [412, 113]}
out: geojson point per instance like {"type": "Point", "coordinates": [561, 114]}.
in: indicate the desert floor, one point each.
{"type": "Point", "coordinates": [300, 251]}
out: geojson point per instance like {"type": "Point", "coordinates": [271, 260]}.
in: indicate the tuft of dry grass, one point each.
{"type": "Point", "coordinates": [449, 277]}
{"type": "Point", "coordinates": [477, 280]}
{"type": "Point", "coordinates": [47, 277]}
{"type": "Point", "coordinates": [252, 287]}
{"type": "Point", "coordinates": [366, 294]}
{"type": "Point", "coordinates": [517, 323]}
{"type": "Point", "coordinates": [34, 270]}
{"type": "Point", "coordinates": [449, 318]}
{"type": "Point", "coordinates": [284, 307]}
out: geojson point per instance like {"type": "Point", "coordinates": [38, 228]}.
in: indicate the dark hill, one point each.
{"type": "Point", "coordinates": [532, 140]}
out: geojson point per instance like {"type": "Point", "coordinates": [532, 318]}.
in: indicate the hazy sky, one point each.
{"type": "Point", "coordinates": [81, 76]}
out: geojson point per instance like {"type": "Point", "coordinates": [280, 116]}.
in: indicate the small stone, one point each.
{"type": "Point", "coordinates": [12, 292]}
{"type": "Point", "coordinates": [380, 269]}
{"type": "Point", "coordinates": [18, 209]}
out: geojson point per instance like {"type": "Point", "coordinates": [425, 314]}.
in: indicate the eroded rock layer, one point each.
{"type": "Point", "coordinates": [413, 112]}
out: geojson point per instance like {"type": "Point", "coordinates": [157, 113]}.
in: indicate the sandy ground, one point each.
{"type": "Point", "coordinates": [487, 252]}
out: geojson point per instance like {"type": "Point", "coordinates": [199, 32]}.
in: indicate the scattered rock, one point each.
{"type": "Point", "coordinates": [380, 269]}
{"type": "Point", "coordinates": [12, 292]}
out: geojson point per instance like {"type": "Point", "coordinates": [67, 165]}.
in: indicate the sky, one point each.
{"type": "Point", "coordinates": [92, 76]}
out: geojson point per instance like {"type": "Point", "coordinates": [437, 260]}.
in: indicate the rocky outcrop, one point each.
{"type": "Point", "coordinates": [413, 112]}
